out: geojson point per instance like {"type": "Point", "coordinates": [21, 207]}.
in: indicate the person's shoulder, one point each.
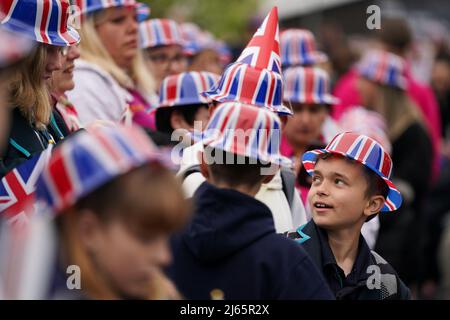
{"type": "Point", "coordinates": [389, 279]}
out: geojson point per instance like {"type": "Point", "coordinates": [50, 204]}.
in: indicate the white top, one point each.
{"type": "Point", "coordinates": [271, 194]}
{"type": "Point", "coordinates": [98, 96]}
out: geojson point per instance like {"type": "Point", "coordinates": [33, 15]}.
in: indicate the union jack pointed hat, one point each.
{"type": "Point", "coordinates": [263, 50]}
{"type": "Point", "coordinates": [159, 32]}
{"type": "Point", "coordinates": [308, 85]}
{"type": "Point", "coordinates": [383, 67]}
{"type": "Point", "coordinates": [255, 78]}
{"type": "Point", "coordinates": [366, 151]}
{"type": "Point", "coordinates": [142, 11]}
{"type": "Point", "coordinates": [44, 21]}
{"type": "Point", "coordinates": [86, 7]}
{"type": "Point", "coordinates": [90, 159]}
{"type": "Point", "coordinates": [244, 130]}
{"type": "Point", "coordinates": [186, 88]}
{"type": "Point", "coordinates": [298, 48]}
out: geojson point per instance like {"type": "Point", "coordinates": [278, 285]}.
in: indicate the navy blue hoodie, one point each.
{"type": "Point", "coordinates": [231, 245]}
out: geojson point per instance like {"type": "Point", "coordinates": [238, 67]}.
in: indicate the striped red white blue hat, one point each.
{"type": "Point", "coordinates": [197, 40]}
{"type": "Point", "coordinates": [44, 21]}
{"type": "Point", "coordinates": [263, 50]}
{"type": "Point", "coordinates": [159, 32]}
{"type": "Point", "coordinates": [243, 83]}
{"type": "Point", "coordinates": [383, 67]}
{"type": "Point", "coordinates": [186, 88]}
{"type": "Point", "coordinates": [89, 6]}
{"type": "Point", "coordinates": [308, 85]}
{"type": "Point", "coordinates": [90, 159]}
{"type": "Point", "coordinates": [298, 48]}
{"type": "Point", "coordinates": [244, 130]}
{"type": "Point", "coordinates": [142, 12]}
{"type": "Point", "coordinates": [255, 78]}
{"type": "Point", "coordinates": [366, 151]}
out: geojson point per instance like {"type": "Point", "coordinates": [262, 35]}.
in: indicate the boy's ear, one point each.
{"type": "Point", "coordinates": [374, 205]}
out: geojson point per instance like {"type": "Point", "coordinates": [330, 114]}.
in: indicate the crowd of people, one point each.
{"type": "Point", "coordinates": [139, 154]}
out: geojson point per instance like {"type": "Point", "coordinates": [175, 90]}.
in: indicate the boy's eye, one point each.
{"type": "Point", "coordinates": [315, 179]}
{"type": "Point", "coordinates": [339, 182]}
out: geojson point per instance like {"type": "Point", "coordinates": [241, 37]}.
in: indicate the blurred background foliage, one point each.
{"type": "Point", "coordinates": [233, 21]}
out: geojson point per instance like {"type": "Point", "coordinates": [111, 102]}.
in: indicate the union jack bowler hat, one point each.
{"type": "Point", "coordinates": [244, 130]}
{"type": "Point", "coordinates": [44, 21]}
{"type": "Point", "coordinates": [383, 67]}
{"type": "Point", "coordinates": [186, 88]}
{"type": "Point", "coordinates": [366, 151]}
{"type": "Point", "coordinates": [308, 85]}
{"type": "Point", "coordinates": [159, 32]}
{"type": "Point", "coordinates": [90, 159]}
{"type": "Point", "coordinates": [298, 48]}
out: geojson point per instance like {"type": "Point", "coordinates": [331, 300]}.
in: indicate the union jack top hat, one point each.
{"type": "Point", "coordinates": [298, 47]}
{"type": "Point", "coordinates": [308, 85]}
{"type": "Point", "coordinates": [244, 130]}
{"type": "Point", "coordinates": [383, 67]}
{"type": "Point", "coordinates": [86, 7]}
{"type": "Point", "coordinates": [90, 159]}
{"type": "Point", "coordinates": [255, 78]}
{"type": "Point", "coordinates": [366, 151]}
{"type": "Point", "coordinates": [44, 21]}
{"type": "Point", "coordinates": [159, 32]}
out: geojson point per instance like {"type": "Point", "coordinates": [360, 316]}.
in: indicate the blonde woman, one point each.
{"type": "Point", "coordinates": [111, 81]}
{"type": "Point", "coordinates": [34, 126]}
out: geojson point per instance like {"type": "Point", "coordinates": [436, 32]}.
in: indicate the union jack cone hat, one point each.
{"type": "Point", "coordinates": [90, 159]}
{"type": "Point", "coordinates": [383, 67]}
{"type": "Point", "coordinates": [244, 130]}
{"type": "Point", "coordinates": [159, 32]}
{"type": "Point", "coordinates": [186, 88]}
{"type": "Point", "coordinates": [308, 85]}
{"type": "Point", "coordinates": [44, 21]}
{"type": "Point", "coordinates": [298, 48]}
{"type": "Point", "coordinates": [255, 78]}
{"type": "Point", "coordinates": [366, 151]}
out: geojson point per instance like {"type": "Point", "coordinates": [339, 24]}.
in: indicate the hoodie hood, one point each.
{"type": "Point", "coordinates": [225, 222]}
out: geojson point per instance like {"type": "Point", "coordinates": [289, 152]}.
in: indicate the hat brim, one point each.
{"type": "Point", "coordinates": [393, 199]}
{"type": "Point", "coordinates": [218, 143]}
{"type": "Point", "coordinates": [311, 59]}
{"type": "Point", "coordinates": [216, 96]}
{"type": "Point", "coordinates": [68, 38]}
{"type": "Point", "coordinates": [327, 99]}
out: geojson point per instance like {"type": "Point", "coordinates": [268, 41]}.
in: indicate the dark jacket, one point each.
{"type": "Point", "coordinates": [371, 278]}
{"type": "Point", "coordinates": [231, 245]}
{"type": "Point", "coordinates": [24, 140]}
